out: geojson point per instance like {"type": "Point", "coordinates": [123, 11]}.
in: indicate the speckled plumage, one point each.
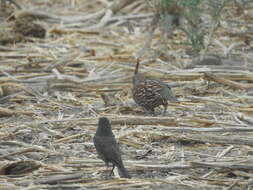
{"type": "Point", "coordinates": [150, 93]}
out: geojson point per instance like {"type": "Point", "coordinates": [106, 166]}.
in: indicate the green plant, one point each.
{"type": "Point", "coordinates": [191, 11]}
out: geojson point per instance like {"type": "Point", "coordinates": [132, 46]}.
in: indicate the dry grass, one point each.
{"type": "Point", "coordinates": [51, 99]}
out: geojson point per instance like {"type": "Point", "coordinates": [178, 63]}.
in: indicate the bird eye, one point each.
{"type": "Point", "coordinates": [169, 86]}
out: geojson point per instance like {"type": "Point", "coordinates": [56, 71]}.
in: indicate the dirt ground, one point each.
{"type": "Point", "coordinates": [54, 89]}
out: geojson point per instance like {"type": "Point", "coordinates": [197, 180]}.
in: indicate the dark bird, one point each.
{"type": "Point", "coordinates": [150, 93]}
{"type": "Point", "coordinates": [107, 147]}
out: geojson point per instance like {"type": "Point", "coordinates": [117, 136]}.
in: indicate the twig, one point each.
{"type": "Point", "coordinates": [227, 82]}
{"type": "Point", "coordinates": [230, 166]}
{"type": "Point", "coordinates": [52, 179]}
{"type": "Point", "coordinates": [224, 152]}
{"type": "Point", "coordinates": [206, 99]}
{"type": "Point", "coordinates": [26, 150]}
{"type": "Point", "coordinates": [113, 9]}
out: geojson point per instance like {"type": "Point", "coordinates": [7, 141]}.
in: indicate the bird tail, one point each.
{"type": "Point", "coordinates": [137, 66]}
{"type": "Point", "coordinates": [123, 171]}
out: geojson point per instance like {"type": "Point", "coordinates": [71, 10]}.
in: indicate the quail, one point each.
{"type": "Point", "coordinates": [107, 147]}
{"type": "Point", "coordinates": [150, 93]}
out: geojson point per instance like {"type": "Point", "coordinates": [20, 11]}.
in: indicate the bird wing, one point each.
{"type": "Point", "coordinates": [108, 149]}
{"type": "Point", "coordinates": [162, 90]}
{"type": "Point", "coordinates": [155, 85]}
{"type": "Point", "coordinates": [154, 88]}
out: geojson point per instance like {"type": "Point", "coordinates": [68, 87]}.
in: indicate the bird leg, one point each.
{"type": "Point", "coordinates": [165, 109]}
{"type": "Point", "coordinates": [113, 166]}
{"type": "Point", "coordinates": [107, 168]}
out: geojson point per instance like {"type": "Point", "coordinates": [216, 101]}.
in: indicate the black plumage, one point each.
{"type": "Point", "coordinates": [150, 93]}
{"type": "Point", "coordinates": [107, 147]}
